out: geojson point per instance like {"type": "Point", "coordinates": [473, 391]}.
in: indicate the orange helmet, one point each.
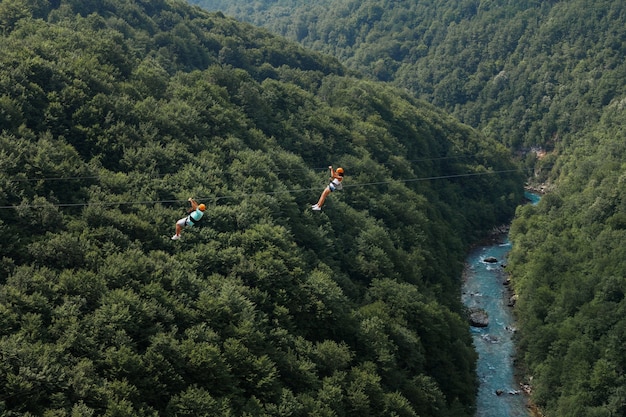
{"type": "Point", "coordinates": [202, 207]}
{"type": "Point", "coordinates": [339, 171]}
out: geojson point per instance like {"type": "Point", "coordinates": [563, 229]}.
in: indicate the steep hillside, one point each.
{"type": "Point", "coordinates": [524, 72]}
{"type": "Point", "coordinates": [569, 265]}
{"type": "Point", "coordinates": [113, 113]}
{"type": "Point", "coordinates": [528, 73]}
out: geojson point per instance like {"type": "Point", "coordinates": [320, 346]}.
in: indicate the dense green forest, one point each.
{"type": "Point", "coordinates": [527, 73]}
{"type": "Point", "coordinates": [113, 113]}
{"type": "Point", "coordinates": [524, 72]}
{"type": "Point", "coordinates": [569, 268]}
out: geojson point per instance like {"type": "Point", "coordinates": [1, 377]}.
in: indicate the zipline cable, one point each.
{"type": "Point", "coordinates": [246, 195]}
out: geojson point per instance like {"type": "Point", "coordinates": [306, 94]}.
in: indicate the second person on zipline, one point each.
{"type": "Point", "coordinates": [336, 178]}
{"type": "Point", "coordinates": [195, 214]}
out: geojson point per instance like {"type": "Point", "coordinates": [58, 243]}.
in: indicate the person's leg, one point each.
{"type": "Point", "coordinates": [179, 227]}
{"type": "Point", "coordinates": [325, 193]}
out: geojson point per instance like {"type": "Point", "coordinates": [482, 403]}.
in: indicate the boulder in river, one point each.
{"type": "Point", "coordinates": [478, 318]}
{"type": "Point", "coordinates": [490, 260]}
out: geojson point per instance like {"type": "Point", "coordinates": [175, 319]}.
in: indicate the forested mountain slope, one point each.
{"type": "Point", "coordinates": [528, 73]}
{"type": "Point", "coordinates": [113, 113]}
{"type": "Point", "coordinates": [524, 72]}
{"type": "Point", "coordinates": [569, 268]}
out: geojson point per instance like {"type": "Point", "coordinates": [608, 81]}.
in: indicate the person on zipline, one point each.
{"type": "Point", "coordinates": [336, 178]}
{"type": "Point", "coordinates": [195, 214]}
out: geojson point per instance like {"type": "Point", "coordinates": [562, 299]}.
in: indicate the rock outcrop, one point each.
{"type": "Point", "coordinates": [478, 317]}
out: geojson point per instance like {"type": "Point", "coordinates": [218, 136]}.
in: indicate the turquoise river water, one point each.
{"type": "Point", "coordinates": [483, 288]}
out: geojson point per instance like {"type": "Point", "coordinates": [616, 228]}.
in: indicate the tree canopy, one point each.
{"type": "Point", "coordinates": [114, 112]}
{"type": "Point", "coordinates": [524, 72]}
{"type": "Point", "coordinates": [544, 74]}
{"type": "Point", "coordinates": [568, 268]}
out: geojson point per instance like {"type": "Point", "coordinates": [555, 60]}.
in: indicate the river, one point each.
{"type": "Point", "coordinates": [483, 288]}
